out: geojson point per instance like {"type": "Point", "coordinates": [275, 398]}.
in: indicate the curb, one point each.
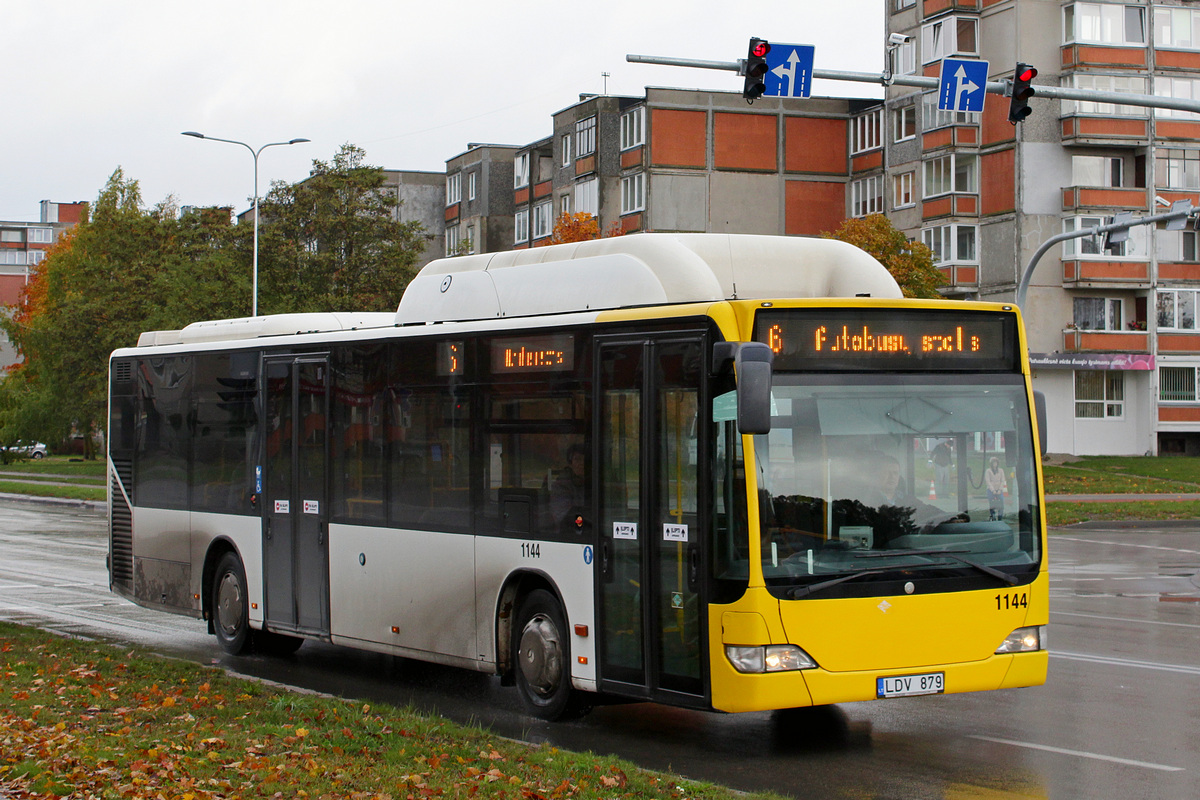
{"type": "Point", "coordinates": [94, 506]}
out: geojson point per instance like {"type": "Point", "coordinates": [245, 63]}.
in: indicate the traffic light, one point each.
{"type": "Point", "coordinates": [755, 69]}
{"type": "Point", "coordinates": [1022, 90]}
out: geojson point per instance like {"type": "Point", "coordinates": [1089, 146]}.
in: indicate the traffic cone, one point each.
{"type": "Point", "coordinates": [932, 491]}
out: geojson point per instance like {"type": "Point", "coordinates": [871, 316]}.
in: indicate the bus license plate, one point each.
{"type": "Point", "coordinates": [910, 685]}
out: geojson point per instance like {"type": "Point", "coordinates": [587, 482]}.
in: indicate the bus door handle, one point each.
{"type": "Point", "coordinates": [693, 558]}
{"type": "Point", "coordinates": [267, 527]}
{"type": "Point", "coordinates": [606, 559]}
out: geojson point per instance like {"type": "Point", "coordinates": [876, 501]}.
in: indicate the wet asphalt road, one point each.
{"type": "Point", "coordinates": [1118, 718]}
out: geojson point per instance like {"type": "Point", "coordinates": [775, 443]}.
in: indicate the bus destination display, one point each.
{"type": "Point", "coordinates": [554, 353]}
{"type": "Point", "coordinates": [889, 339]}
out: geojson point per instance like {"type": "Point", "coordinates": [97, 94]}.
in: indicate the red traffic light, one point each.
{"type": "Point", "coordinates": [761, 48]}
{"type": "Point", "coordinates": [1027, 74]}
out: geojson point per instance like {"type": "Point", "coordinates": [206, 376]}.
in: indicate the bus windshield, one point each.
{"type": "Point", "coordinates": [926, 474]}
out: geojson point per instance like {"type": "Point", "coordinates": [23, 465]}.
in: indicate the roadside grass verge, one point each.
{"type": "Point", "coordinates": [55, 476]}
{"type": "Point", "coordinates": [1121, 474]}
{"type": "Point", "coordinates": [59, 465]}
{"type": "Point", "coordinates": [1150, 510]}
{"type": "Point", "coordinates": [92, 719]}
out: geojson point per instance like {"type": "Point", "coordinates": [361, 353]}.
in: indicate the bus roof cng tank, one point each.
{"type": "Point", "coordinates": [644, 269]}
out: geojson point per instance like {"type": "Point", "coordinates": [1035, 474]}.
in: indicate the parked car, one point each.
{"type": "Point", "coordinates": [27, 449]}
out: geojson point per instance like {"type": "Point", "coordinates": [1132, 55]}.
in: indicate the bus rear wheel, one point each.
{"type": "Point", "coordinates": [542, 659]}
{"type": "Point", "coordinates": [230, 607]}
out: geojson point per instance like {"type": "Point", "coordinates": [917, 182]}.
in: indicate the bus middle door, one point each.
{"type": "Point", "coordinates": [295, 515]}
{"type": "Point", "coordinates": [650, 574]}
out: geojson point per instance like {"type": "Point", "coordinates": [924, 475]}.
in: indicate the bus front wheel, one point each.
{"type": "Point", "coordinates": [542, 659]}
{"type": "Point", "coordinates": [230, 608]}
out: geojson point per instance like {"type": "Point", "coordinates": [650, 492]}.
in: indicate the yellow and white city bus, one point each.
{"type": "Point", "coordinates": [716, 471]}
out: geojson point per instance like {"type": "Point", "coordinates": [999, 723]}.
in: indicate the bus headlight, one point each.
{"type": "Point", "coordinates": [771, 658]}
{"type": "Point", "coordinates": [1024, 640]}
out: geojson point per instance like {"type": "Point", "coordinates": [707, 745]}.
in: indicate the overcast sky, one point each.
{"type": "Point", "coordinates": [92, 86]}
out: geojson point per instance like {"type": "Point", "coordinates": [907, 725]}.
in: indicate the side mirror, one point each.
{"type": "Point", "coordinates": [1039, 405]}
{"type": "Point", "coordinates": [752, 364]}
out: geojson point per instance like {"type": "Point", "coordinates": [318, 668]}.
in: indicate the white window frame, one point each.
{"type": "Point", "coordinates": [958, 240]}
{"type": "Point", "coordinates": [1177, 168]}
{"type": "Point", "coordinates": [453, 188]}
{"type": "Point", "coordinates": [41, 235]}
{"type": "Point", "coordinates": [13, 258]}
{"type": "Point", "coordinates": [471, 181]}
{"type": "Point", "coordinates": [521, 226]}
{"type": "Point", "coordinates": [1106, 172]}
{"type": "Point", "coordinates": [587, 197]}
{"type": "Point", "coordinates": [1111, 314]}
{"type": "Point", "coordinates": [1175, 309]}
{"type": "Point", "coordinates": [1176, 28]}
{"type": "Point", "coordinates": [585, 137]}
{"type": "Point", "coordinates": [1103, 83]}
{"type": "Point", "coordinates": [633, 193]}
{"type": "Point", "coordinates": [567, 158]}
{"type": "Point", "coordinates": [902, 190]}
{"type": "Point", "coordinates": [520, 170]}
{"type": "Point", "coordinates": [35, 257]}
{"type": "Point", "coordinates": [1182, 387]}
{"type": "Point", "coordinates": [900, 5]}
{"type": "Point", "coordinates": [564, 204]}
{"type": "Point", "coordinates": [1092, 247]}
{"type": "Point", "coordinates": [905, 58]}
{"type": "Point", "coordinates": [943, 38]}
{"type": "Point", "coordinates": [543, 219]}
{"type": "Point", "coordinates": [933, 117]}
{"type": "Point", "coordinates": [866, 196]}
{"type": "Point", "coordinates": [633, 128]}
{"type": "Point", "coordinates": [953, 173]}
{"type": "Point", "coordinates": [1104, 23]}
{"type": "Point", "coordinates": [866, 131]}
{"type": "Point", "coordinates": [1177, 245]}
{"type": "Point", "coordinates": [904, 123]}
{"type": "Point", "coordinates": [1178, 89]}
{"type": "Point", "coordinates": [1112, 401]}
{"type": "Point", "coordinates": [471, 239]}
{"type": "Point", "coordinates": [451, 240]}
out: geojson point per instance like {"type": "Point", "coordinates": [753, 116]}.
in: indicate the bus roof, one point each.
{"type": "Point", "coordinates": [647, 269]}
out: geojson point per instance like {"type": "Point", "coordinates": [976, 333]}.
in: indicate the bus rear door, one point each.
{"type": "Point", "coordinates": [650, 569]}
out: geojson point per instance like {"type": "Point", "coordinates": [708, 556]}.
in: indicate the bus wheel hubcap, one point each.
{"type": "Point", "coordinates": [229, 604]}
{"type": "Point", "coordinates": [541, 655]}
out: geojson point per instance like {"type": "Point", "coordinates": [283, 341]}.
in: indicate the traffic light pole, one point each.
{"type": "Point", "coordinates": [1003, 87]}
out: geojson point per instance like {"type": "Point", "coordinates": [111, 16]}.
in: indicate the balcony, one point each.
{"type": "Point", "coordinates": [1183, 343]}
{"type": "Point", "coordinates": [932, 7]}
{"type": "Point", "coordinates": [951, 136]}
{"type": "Point", "coordinates": [1105, 130]}
{"type": "Point", "coordinates": [951, 205]}
{"type": "Point", "coordinates": [960, 279]}
{"type": "Point", "coordinates": [1092, 198]}
{"type": "Point", "coordinates": [1077, 341]}
{"type": "Point", "coordinates": [1102, 57]}
{"type": "Point", "coordinates": [1080, 273]}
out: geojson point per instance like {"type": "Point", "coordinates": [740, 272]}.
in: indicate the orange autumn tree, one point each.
{"type": "Point", "coordinates": [910, 262]}
{"type": "Point", "coordinates": [580, 227]}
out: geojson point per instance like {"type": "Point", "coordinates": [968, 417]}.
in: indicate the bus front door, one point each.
{"type": "Point", "coordinates": [295, 541]}
{"type": "Point", "coordinates": [650, 574]}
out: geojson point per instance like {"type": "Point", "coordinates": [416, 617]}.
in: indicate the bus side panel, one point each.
{"type": "Point", "coordinates": [246, 534]}
{"type": "Point", "coordinates": [570, 564]}
{"type": "Point", "coordinates": [421, 583]}
{"type": "Point", "coordinates": [162, 573]}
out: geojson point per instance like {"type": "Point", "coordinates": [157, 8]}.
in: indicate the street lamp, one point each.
{"type": "Point", "coordinates": [253, 152]}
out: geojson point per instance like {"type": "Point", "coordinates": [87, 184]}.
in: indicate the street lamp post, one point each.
{"type": "Point", "coordinates": [255, 153]}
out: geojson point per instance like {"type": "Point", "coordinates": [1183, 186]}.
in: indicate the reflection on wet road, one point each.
{"type": "Point", "coordinates": [1117, 719]}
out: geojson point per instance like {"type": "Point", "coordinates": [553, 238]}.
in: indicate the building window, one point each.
{"type": "Point", "coordinates": [900, 5]}
{"type": "Point", "coordinates": [567, 158]}
{"type": "Point", "coordinates": [36, 256]}
{"type": "Point", "coordinates": [1179, 89]}
{"type": "Point", "coordinates": [585, 137]}
{"type": "Point", "coordinates": [1103, 83]}
{"type": "Point", "coordinates": [543, 219]}
{"type": "Point", "coordinates": [521, 226]}
{"type": "Point", "coordinates": [865, 131]}
{"type": "Point", "coordinates": [564, 204]}
{"type": "Point", "coordinates": [11, 236]}
{"type": "Point", "coordinates": [41, 235]}
{"type": "Point", "coordinates": [1099, 394]}
{"type": "Point", "coordinates": [632, 128]}
{"type": "Point", "coordinates": [906, 58]}
{"type": "Point", "coordinates": [1177, 28]}
{"type": "Point", "coordinates": [952, 244]}
{"type": "Point", "coordinates": [1177, 168]}
{"type": "Point", "coordinates": [1176, 309]}
{"type": "Point", "coordinates": [902, 190]}
{"type": "Point", "coordinates": [1097, 313]}
{"type": "Point", "coordinates": [471, 185]}
{"type": "Point", "coordinates": [956, 172]}
{"type": "Point", "coordinates": [866, 196]}
{"type": "Point", "coordinates": [1093, 246]}
{"type": "Point", "coordinates": [1098, 171]}
{"type": "Point", "coordinates": [452, 240]}
{"type": "Point", "coordinates": [587, 197]}
{"type": "Point", "coordinates": [1177, 384]}
{"type": "Point", "coordinates": [453, 188]}
{"type": "Point", "coordinates": [11, 258]}
{"type": "Point", "coordinates": [633, 194]}
{"type": "Point", "coordinates": [521, 171]}
{"type": "Point", "coordinates": [904, 122]}
{"type": "Point", "coordinates": [933, 117]}
{"type": "Point", "coordinates": [1104, 23]}
{"type": "Point", "coordinates": [470, 243]}
{"type": "Point", "coordinates": [949, 36]}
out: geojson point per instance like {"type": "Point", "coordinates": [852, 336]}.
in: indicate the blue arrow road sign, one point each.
{"type": "Point", "coordinates": [963, 85]}
{"type": "Point", "coordinates": [789, 70]}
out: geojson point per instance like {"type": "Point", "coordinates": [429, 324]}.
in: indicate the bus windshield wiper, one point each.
{"type": "Point", "coordinates": [954, 554]}
{"type": "Point", "coordinates": [805, 591]}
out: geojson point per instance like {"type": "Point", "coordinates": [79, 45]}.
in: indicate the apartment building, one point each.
{"type": "Point", "coordinates": [479, 209]}
{"type": "Point", "coordinates": [1112, 333]}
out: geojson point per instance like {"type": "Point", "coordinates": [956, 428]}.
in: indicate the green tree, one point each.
{"type": "Point", "coordinates": [911, 263]}
{"type": "Point", "coordinates": [333, 241]}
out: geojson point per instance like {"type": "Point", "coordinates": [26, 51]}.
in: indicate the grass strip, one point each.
{"type": "Point", "coordinates": [90, 719]}
{"type": "Point", "coordinates": [44, 490]}
{"type": "Point", "coordinates": [1058, 514]}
